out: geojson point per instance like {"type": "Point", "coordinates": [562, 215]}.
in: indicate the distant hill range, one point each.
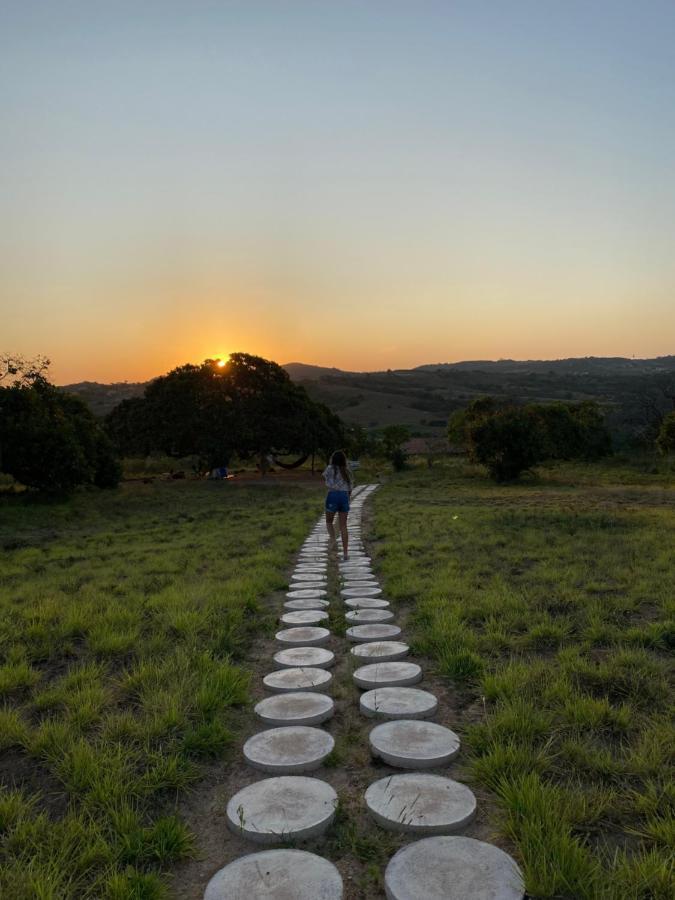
{"type": "Point", "coordinates": [422, 398]}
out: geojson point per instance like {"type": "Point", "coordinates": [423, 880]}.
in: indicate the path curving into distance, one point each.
{"type": "Point", "coordinates": [294, 804]}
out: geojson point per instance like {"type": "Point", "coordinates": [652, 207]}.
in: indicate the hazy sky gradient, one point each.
{"type": "Point", "coordinates": [359, 184]}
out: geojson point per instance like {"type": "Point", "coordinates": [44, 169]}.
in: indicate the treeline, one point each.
{"type": "Point", "coordinates": [248, 407]}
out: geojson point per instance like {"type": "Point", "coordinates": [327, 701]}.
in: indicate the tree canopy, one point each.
{"type": "Point", "coordinates": [49, 439]}
{"type": "Point", "coordinates": [249, 406]}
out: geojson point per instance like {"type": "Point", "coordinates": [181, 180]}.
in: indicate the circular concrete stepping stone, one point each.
{"type": "Point", "coordinates": [304, 617]}
{"type": "Point", "coordinates": [306, 594]}
{"type": "Point", "coordinates": [365, 580]}
{"type": "Point", "coordinates": [311, 570]}
{"type": "Point", "coordinates": [297, 708]}
{"type": "Point", "coordinates": [365, 591]}
{"type": "Point", "coordinates": [303, 636]}
{"type": "Point", "coordinates": [418, 803]}
{"type": "Point", "coordinates": [398, 703]}
{"type": "Point", "coordinates": [285, 808]}
{"type": "Point", "coordinates": [413, 744]}
{"type": "Point", "coordinates": [387, 674]}
{"type": "Point", "coordinates": [452, 868]}
{"type": "Point", "coordinates": [304, 656]}
{"type": "Point", "coordinates": [308, 576]}
{"type": "Point", "coordinates": [366, 603]}
{"type": "Point", "coordinates": [306, 604]}
{"type": "Point", "coordinates": [380, 651]}
{"type": "Point", "coordinates": [362, 633]}
{"type": "Point", "coordinates": [288, 750]}
{"type": "Point", "coordinates": [275, 874]}
{"type": "Point", "coordinates": [305, 678]}
{"type": "Point", "coordinates": [366, 616]}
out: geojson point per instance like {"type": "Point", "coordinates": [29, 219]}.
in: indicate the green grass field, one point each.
{"type": "Point", "coordinates": [549, 608]}
{"type": "Point", "coordinates": [125, 618]}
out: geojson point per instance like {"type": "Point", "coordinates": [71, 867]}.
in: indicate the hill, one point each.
{"type": "Point", "coordinates": [633, 391]}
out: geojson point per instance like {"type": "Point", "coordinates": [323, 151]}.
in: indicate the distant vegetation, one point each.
{"type": "Point", "coordinates": [510, 439]}
{"type": "Point", "coordinates": [633, 394]}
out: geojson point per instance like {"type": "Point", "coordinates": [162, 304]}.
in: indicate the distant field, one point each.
{"type": "Point", "coordinates": [124, 620]}
{"type": "Point", "coordinates": [549, 608]}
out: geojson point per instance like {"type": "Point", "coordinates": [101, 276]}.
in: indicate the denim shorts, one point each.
{"type": "Point", "coordinates": [337, 501]}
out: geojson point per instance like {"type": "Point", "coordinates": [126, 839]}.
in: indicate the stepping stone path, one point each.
{"type": "Point", "coordinates": [294, 807]}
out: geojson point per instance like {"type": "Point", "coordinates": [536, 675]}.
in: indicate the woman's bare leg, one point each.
{"type": "Point", "coordinates": [330, 527]}
{"type": "Point", "coordinates": [342, 518]}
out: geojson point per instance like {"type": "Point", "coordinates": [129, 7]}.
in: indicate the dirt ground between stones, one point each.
{"type": "Point", "coordinates": [351, 771]}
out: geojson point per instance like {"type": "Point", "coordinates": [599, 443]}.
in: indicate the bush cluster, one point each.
{"type": "Point", "coordinates": [509, 439]}
{"type": "Point", "coordinates": [49, 439]}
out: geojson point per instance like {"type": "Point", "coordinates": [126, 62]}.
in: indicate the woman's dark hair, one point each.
{"type": "Point", "coordinates": [339, 462]}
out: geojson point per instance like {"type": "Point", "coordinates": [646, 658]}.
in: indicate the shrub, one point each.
{"type": "Point", "coordinates": [51, 441]}
{"type": "Point", "coordinates": [666, 439]}
{"type": "Point", "coordinates": [508, 442]}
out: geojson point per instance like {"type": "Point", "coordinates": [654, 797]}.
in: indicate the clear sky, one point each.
{"type": "Point", "coordinates": [365, 184]}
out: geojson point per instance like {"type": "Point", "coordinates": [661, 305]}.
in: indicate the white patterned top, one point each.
{"type": "Point", "coordinates": [335, 480]}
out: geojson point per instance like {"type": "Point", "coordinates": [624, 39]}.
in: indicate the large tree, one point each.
{"type": "Point", "coordinates": [248, 406]}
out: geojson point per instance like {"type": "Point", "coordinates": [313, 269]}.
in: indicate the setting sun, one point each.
{"type": "Point", "coordinates": [221, 363]}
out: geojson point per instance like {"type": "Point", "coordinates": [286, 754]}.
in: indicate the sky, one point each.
{"type": "Point", "coordinates": [368, 185]}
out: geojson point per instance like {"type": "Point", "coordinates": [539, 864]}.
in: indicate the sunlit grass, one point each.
{"type": "Point", "coordinates": [549, 605]}
{"type": "Point", "coordinates": [125, 620]}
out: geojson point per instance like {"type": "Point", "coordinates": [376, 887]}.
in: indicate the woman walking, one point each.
{"type": "Point", "coordinates": [338, 480]}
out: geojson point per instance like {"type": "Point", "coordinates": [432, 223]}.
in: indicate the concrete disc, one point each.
{"type": "Point", "coordinates": [398, 703]}
{"type": "Point", "coordinates": [296, 708]}
{"type": "Point", "coordinates": [305, 656]}
{"type": "Point", "coordinates": [380, 651]}
{"type": "Point", "coordinates": [387, 674]}
{"type": "Point", "coordinates": [364, 591]}
{"type": "Point", "coordinates": [288, 750]}
{"type": "Point", "coordinates": [308, 576]}
{"type": "Point", "coordinates": [358, 576]}
{"type": "Point", "coordinates": [367, 616]}
{"type": "Point", "coordinates": [285, 808]}
{"type": "Point", "coordinates": [362, 633]}
{"type": "Point", "coordinates": [413, 744]}
{"type": "Point", "coordinates": [367, 603]}
{"type": "Point", "coordinates": [304, 617]}
{"type": "Point", "coordinates": [419, 803]}
{"type": "Point", "coordinates": [306, 593]}
{"type": "Point", "coordinates": [303, 636]}
{"type": "Point", "coordinates": [276, 875]}
{"type": "Point", "coordinates": [305, 678]}
{"type": "Point", "coordinates": [452, 868]}
{"type": "Point", "coordinates": [318, 603]}
{"type": "Point", "coordinates": [303, 568]}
